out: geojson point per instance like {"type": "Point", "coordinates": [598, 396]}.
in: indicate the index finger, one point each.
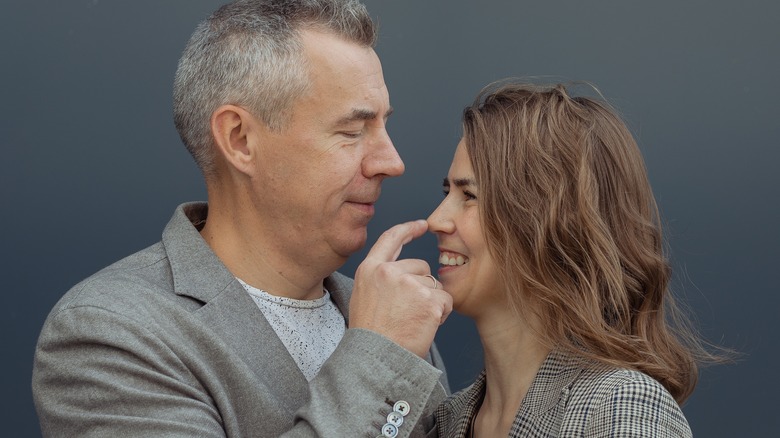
{"type": "Point", "coordinates": [388, 247]}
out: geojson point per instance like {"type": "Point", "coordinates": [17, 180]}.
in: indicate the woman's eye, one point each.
{"type": "Point", "coordinates": [469, 195]}
{"type": "Point", "coordinates": [446, 192]}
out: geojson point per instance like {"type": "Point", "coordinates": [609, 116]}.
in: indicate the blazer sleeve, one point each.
{"type": "Point", "coordinates": [638, 408]}
{"type": "Point", "coordinates": [102, 373]}
{"type": "Point", "coordinates": [368, 368]}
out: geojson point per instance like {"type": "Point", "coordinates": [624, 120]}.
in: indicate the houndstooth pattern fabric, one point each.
{"type": "Point", "coordinates": [573, 398]}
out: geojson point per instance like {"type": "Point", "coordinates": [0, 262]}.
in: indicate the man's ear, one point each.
{"type": "Point", "coordinates": [232, 128]}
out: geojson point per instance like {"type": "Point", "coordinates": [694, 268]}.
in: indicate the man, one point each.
{"type": "Point", "coordinates": [236, 323]}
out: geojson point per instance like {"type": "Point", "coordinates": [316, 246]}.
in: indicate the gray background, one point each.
{"type": "Point", "coordinates": [92, 167]}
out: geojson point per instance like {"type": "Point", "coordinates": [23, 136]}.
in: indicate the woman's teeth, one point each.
{"type": "Point", "coordinates": [452, 260]}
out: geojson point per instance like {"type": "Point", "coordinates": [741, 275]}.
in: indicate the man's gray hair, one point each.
{"type": "Point", "coordinates": [249, 53]}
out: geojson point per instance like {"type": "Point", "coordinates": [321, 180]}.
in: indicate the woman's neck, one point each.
{"type": "Point", "coordinates": [513, 355]}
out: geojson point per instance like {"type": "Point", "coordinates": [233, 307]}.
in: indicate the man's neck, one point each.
{"type": "Point", "coordinates": [253, 254]}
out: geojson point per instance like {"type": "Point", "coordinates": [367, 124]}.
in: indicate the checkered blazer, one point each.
{"type": "Point", "coordinates": [570, 397]}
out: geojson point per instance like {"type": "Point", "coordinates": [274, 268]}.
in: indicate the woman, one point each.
{"type": "Point", "coordinates": [549, 239]}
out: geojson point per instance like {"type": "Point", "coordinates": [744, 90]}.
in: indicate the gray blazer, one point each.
{"type": "Point", "coordinates": [167, 343]}
{"type": "Point", "coordinates": [573, 398]}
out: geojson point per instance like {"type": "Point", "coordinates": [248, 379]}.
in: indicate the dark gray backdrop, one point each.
{"type": "Point", "coordinates": [92, 167]}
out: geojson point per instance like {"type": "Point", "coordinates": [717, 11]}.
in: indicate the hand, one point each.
{"type": "Point", "coordinates": [394, 297]}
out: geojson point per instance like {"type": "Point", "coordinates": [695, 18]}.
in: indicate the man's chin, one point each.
{"type": "Point", "coordinates": [357, 241]}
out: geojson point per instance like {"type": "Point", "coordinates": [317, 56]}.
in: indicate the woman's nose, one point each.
{"type": "Point", "coordinates": [438, 221]}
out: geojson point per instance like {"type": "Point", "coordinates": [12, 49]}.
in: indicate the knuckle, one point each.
{"type": "Point", "coordinates": [425, 293]}
{"type": "Point", "coordinates": [420, 265]}
{"type": "Point", "coordinates": [385, 270]}
{"type": "Point", "coordinates": [408, 281]}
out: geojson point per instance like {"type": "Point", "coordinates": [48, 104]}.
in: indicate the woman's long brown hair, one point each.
{"type": "Point", "coordinates": [569, 215]}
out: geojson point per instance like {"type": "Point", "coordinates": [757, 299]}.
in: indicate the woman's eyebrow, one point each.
{"type": "Point", "coordinates": [459, 182]}
{"type": "Point", "coordinates": [463, 182]}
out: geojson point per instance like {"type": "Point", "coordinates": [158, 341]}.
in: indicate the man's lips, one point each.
{"type": "Point", "coordinates": [364, 200]}
{"type": "Point", "coordinates": [367, 207]}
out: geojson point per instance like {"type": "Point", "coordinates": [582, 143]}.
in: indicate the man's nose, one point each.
{"type": "Point", "coordinates": [383, 159]}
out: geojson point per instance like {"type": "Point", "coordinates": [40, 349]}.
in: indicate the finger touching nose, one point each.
{"type": "Point", "coordinates": [388, 246]}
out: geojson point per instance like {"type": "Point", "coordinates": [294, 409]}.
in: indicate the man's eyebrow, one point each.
{"type": "Point", "coordinates": [361, 114]}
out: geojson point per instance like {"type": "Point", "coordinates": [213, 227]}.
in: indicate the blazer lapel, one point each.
{"type": "Point", "coordinates": [228, 309]}
{"type": "Point", "coordinates": [544, 406]}
{"type": "Point", "coordinates": [458, 411]}
{"type": "Point", "coordinates": [340, 288]}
